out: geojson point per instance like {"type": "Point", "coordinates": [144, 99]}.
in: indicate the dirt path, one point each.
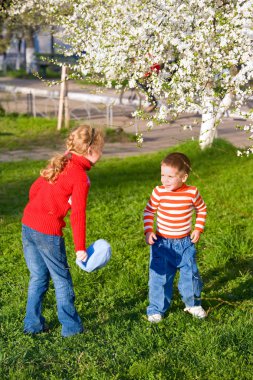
{"type": "Point", "coordinates": [157, 139]}
{"type": "Point", "coordinates": [161, 137]}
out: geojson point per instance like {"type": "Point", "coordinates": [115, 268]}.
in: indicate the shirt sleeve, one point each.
{"type": "Point", "coordinates": [201, 211]}
{"type": "Point", "coordinates": [150, 211]}
{"type": "Point", "coordinates": [78, 213]}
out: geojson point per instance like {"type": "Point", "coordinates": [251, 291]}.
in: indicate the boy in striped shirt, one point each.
{"type": "Point", "coordinates": [173, 243]}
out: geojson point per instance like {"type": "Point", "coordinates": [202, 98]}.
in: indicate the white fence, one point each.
{"type": "Point", "coordinates": [41, 102]}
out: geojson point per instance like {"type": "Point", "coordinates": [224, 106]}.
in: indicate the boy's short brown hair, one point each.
{"type": "Point", "coordinates": [179, 161]}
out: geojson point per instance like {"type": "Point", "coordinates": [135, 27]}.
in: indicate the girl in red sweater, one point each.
{"type": "Point", "coordinates": [63, 185]}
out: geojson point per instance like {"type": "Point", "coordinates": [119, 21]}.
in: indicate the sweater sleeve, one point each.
{"type": "Point", "coordinates": [35, 188]}
{"type": "Point", "coordinates": [78, 213]}
{"type": "Point", "coordinates": [200, 208]}
{"type": "Point", "coordinates": [150, 210]}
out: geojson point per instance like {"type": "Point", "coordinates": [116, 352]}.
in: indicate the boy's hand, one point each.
{"type": "Point", "coordinates": [81, 255]}
{"type": "Point", "coordinates": [150, 238]}
{"type": "Point", "coordinates": [195, 236]}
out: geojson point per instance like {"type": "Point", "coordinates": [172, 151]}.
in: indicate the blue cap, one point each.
{"type": "Point", "coordinates": [99, 253]}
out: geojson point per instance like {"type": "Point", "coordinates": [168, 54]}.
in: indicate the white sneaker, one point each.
{"type": "Point", "coordinates": [196, 311]}
{"type": "Point", "coordinates": [155, 318]}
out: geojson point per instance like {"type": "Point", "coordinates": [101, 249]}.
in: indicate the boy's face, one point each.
{"type": "Point", "coordinates": [171, 178]}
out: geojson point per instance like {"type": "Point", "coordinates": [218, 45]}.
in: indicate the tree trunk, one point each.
{"type": "Point", "coordinates": [52, 42]}
{"type": "Point", "coordinates": [18, 56]}
{"type": "Point", "coordinates": [63, 101]}
{"type": "Point", "coordinates": [3, 62]}
{"type": "Point", "coordinates": [207, 130]}
{"type": "Point", "coordinates": [31, 65]}
{"type": "Point", "coordinates": [211, 117]}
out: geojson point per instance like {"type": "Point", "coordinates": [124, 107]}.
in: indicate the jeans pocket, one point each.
{"type": "Point", "coordinates": [157, 258]}
{"type": "Point", "coordinates": [155, 248]}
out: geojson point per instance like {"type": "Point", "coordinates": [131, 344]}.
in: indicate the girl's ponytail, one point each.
{"type": "Point", "coordinates": [55, 167]}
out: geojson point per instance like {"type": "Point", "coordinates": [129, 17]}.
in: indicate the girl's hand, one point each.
{"type": "Point", "coordinates": [150, 238]}
{"type": "Point", "coordinates": [81, 255]}
{"type": "Point", "coordinates": [195, 236]}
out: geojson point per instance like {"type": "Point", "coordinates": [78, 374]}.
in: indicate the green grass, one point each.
{"type": "Point", "coordinates": [26, 132]}
{"type": "Point", "coordinates": [118, 342]}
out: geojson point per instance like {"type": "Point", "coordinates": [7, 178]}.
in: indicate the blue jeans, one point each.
{"type": "Point", "coordinates": [166, 257]}
{"type": "Point", "coordinates": [45, 257]}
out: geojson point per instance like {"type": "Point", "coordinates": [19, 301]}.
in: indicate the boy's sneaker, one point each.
{"type": "Point", "coordinates": [155, 318]}
{"type": "Point", "coordinates": [196, 311]}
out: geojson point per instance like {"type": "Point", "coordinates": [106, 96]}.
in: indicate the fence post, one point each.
{"type": "Point", "coordinates": [111, 116]}
{"type": "Point", "coordinates": [28, 98]}
{"type": "Point", "coordinates": [33, 105]}
{"type": "Point", "coordinates": [31, 108]}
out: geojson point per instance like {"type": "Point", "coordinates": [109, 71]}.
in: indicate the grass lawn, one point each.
{"type": "Point", "coordinates": [118, 342]}
{"type": "Point", "coordinates": [24, 132]}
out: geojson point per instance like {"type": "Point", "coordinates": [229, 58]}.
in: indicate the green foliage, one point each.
{"type": "Point", "coordinates": [118, 342]}
{"type": "Point", "coordinates": [20, 74]}
{"type": "Point", "coordinates": [47, 73]}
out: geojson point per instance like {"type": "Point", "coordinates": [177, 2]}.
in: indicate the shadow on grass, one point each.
{"type": "Point", "coordinates": [235, 270]}
{"type": "Point", "coordinates": [14, 196]}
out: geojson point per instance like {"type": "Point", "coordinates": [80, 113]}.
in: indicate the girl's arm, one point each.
{"type": "Point", "coordinates": [78, 214]}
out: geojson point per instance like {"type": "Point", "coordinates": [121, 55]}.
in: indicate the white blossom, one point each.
{"type": "Point", "coordinates": [150, 125]}
{"type": "Point", "coordinates": [139, 139]}
{"type": "Point", "coordinates": [204, 45]}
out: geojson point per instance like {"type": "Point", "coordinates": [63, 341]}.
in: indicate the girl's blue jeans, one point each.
{"type": "Point", "coordinates": [45, 257]}
{"type": "Point", "coordinates": [166, 257]}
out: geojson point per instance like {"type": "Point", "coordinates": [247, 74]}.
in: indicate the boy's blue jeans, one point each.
{"type": "Point", "coordinates": [45, 257]}
{"type": "Point", "coordinates": [166, 257]}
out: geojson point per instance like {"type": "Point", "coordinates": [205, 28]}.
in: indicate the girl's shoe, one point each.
{"type": "Point", "coordinates": [196, 311]}
{"type": "Point", "coordinates": [155, 318]}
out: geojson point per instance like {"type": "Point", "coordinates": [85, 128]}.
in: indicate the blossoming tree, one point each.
{"type": "Point", "coordinates": [204, 48]}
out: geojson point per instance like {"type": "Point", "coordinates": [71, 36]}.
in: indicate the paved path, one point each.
{"type": "Point", "coordinates": [160, 137]}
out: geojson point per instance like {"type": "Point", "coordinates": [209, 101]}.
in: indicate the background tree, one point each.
{"type": "Point", "coordinates": [24, 19]}
{"type": "Point", "coordinates": [4, 33]}
{"type": "Point", "coordinates": [204, 46]}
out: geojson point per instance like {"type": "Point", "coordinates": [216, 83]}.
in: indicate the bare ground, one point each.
{"type": "Point", "coordinates": [160, 137]}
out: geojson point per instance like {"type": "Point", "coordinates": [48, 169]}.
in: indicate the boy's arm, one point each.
{"type": "Point", "coordinates": [149, 215]}
{"type": "Point", "coordinates": [201, 212]}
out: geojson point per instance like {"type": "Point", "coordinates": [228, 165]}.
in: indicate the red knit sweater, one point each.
{"type": "Point", "coordinates": [49, 202]}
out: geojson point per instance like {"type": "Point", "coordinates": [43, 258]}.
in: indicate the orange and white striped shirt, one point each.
{"type": "Point", "coordinates": [174, 211]}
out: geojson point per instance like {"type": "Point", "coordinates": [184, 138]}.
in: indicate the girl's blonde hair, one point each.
{"type": "Point", "coordinates": [78, 142]}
